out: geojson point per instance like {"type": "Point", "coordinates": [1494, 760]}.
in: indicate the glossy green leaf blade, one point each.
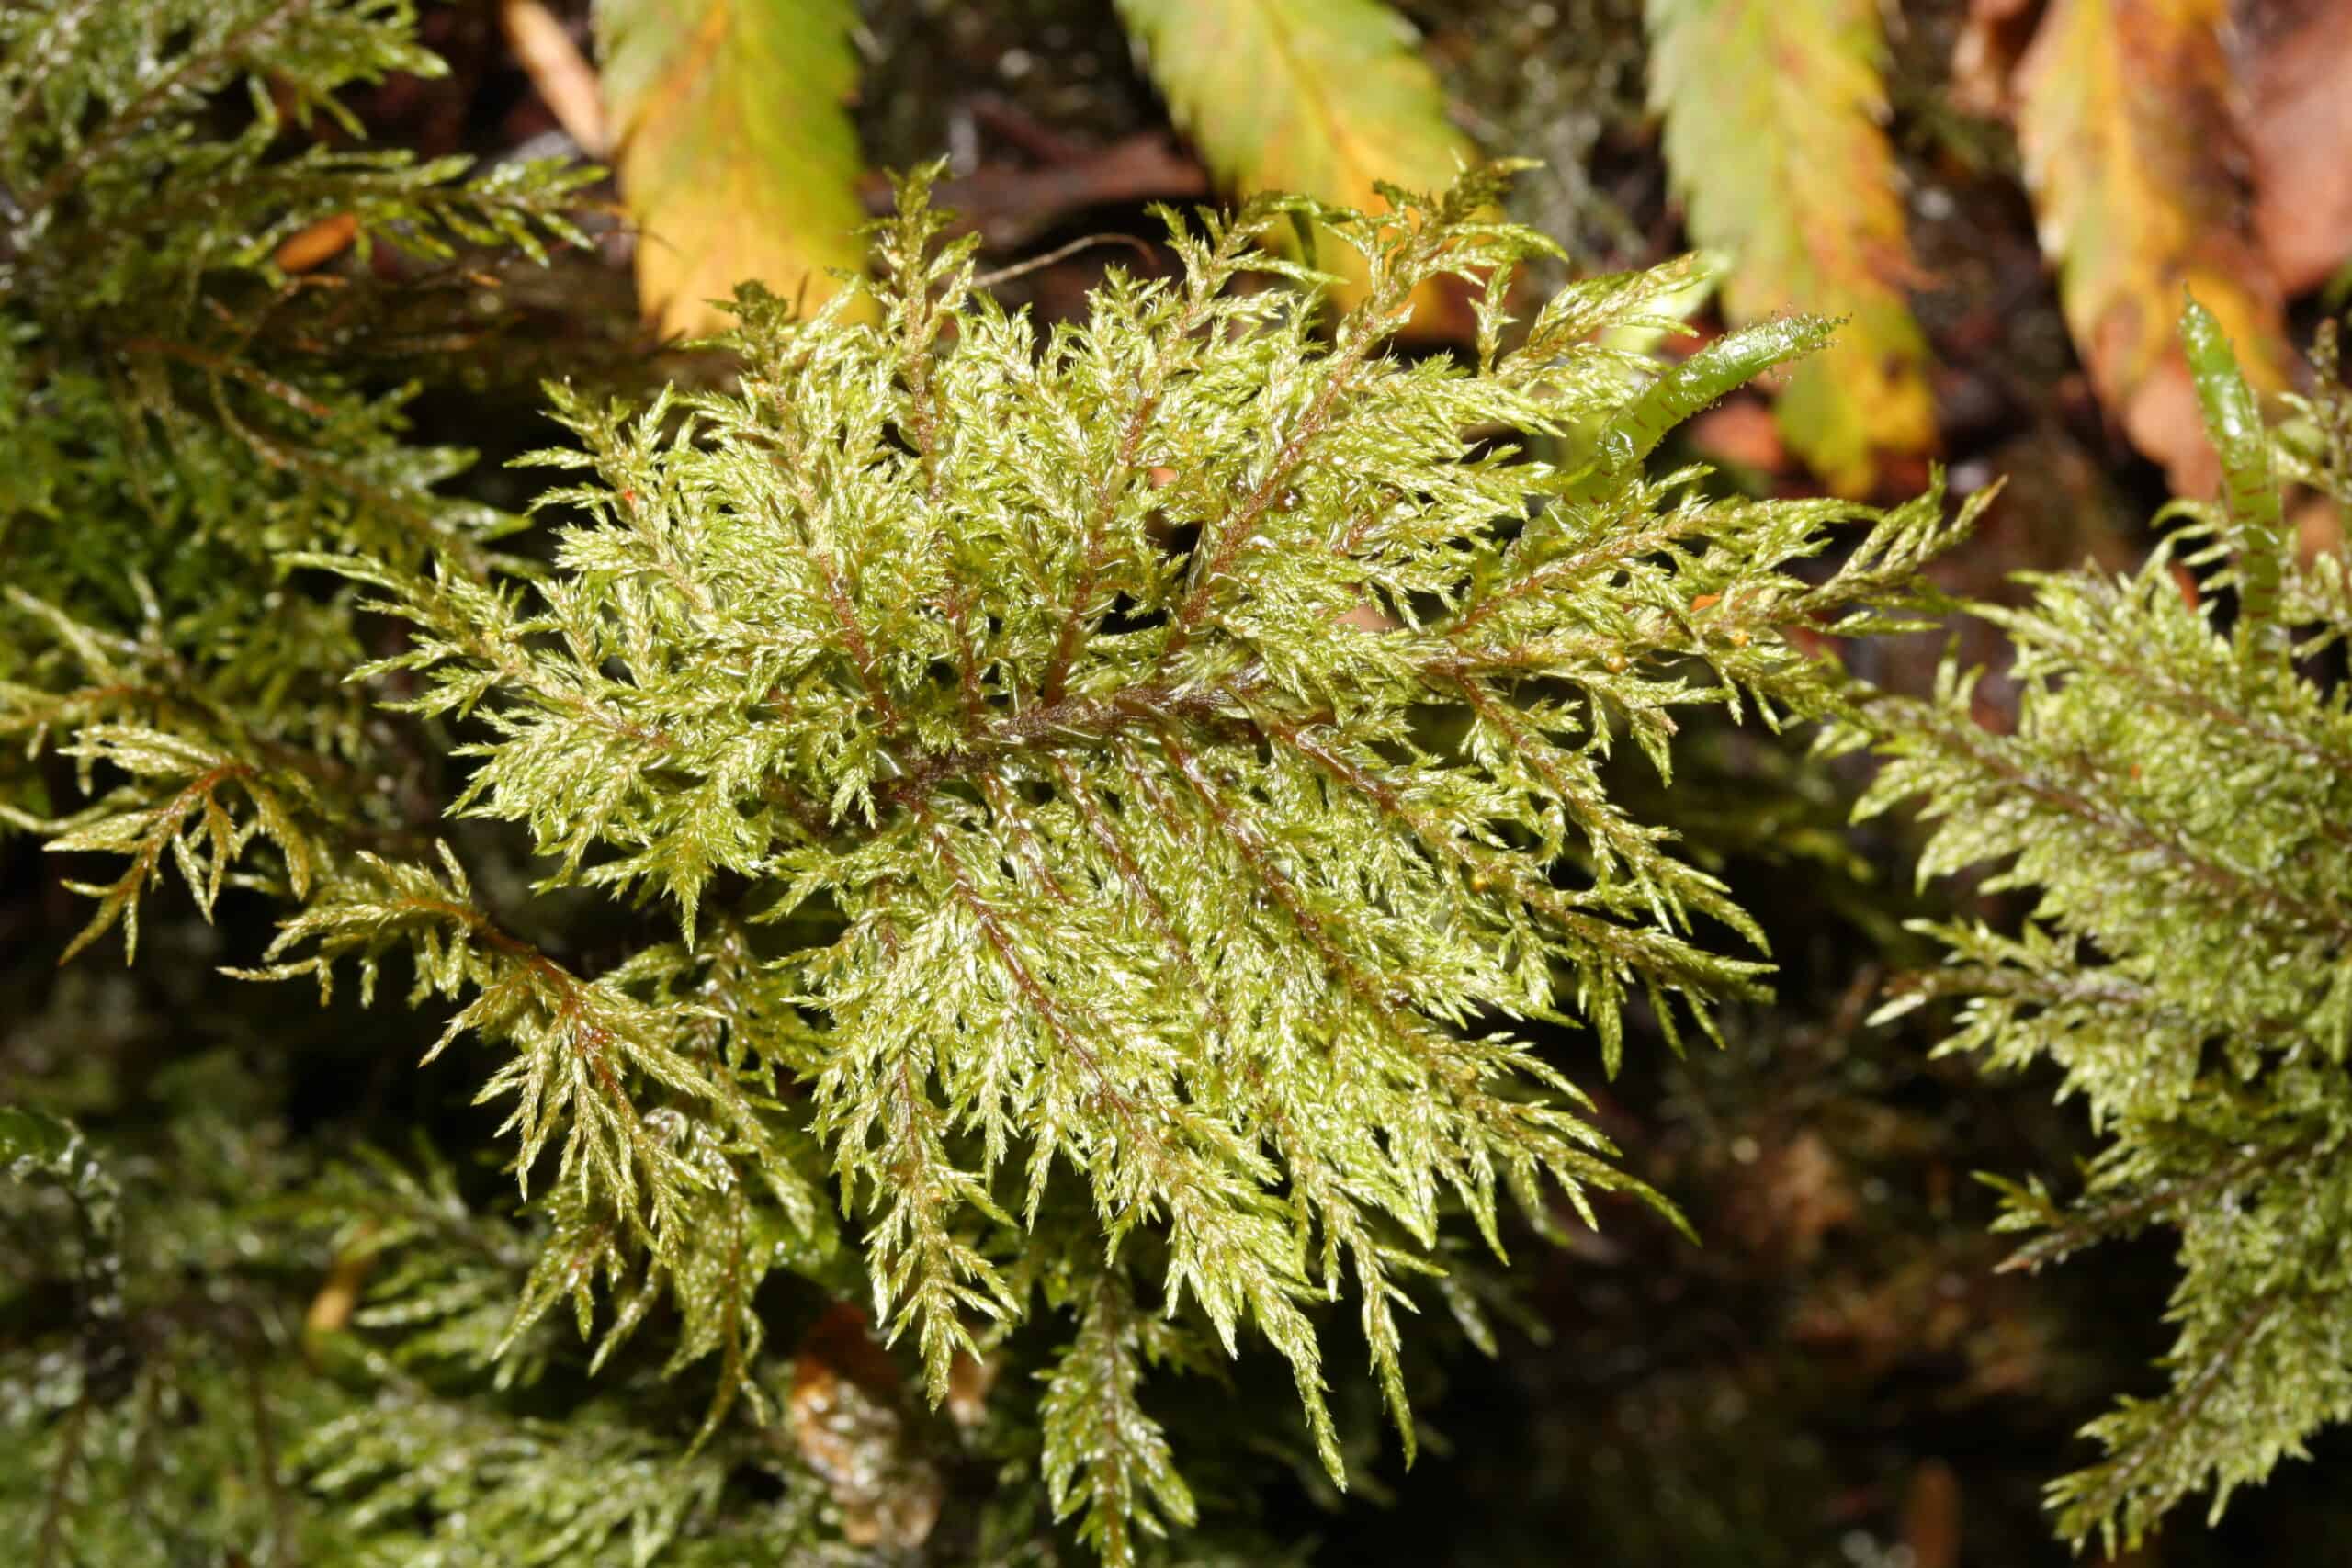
{"type": "Point", "coordinates": [2249, 489]}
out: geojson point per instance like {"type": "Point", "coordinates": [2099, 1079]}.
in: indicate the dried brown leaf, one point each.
{"type": "Point", "coordinates": [846, 1424]}
{"type": "Point", "coordinates": [1985, 56]}
{"type": "Point", "coordinates": [2134, 156]}
{"type": "Point", "coordinates": [2300, 128]}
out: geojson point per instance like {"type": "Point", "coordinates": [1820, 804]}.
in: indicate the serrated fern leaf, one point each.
{"type": "Point", "coordinates": [2126, 127]}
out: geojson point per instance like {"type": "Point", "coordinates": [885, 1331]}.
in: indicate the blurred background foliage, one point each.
{"type": "Point", "coordinates": [2004, 197]}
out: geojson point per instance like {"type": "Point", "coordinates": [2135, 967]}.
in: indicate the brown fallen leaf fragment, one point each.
{"type": "Point", "coordinates": [2184, 582]}
{"type": "Point", "coordinates": [845, 1423]}
{"type": "Point", "coordinates": [2318, 524]}
{"type": "Point", "coordinates": [316, 244]}
{"type": "Point", "coordinates": [2135, 158]}
{"type": "Point", "coordinates": [1740, 430]}
{"type": "Point", "coordinates": [566, 83]}
{"type": "Point", "coordinates": [1932, 1515]}
{"type": "Point", "coordinates": [969, 1379]}
{"type": "Point", "coordinates": [2299, 124]}
{"type": "Point", "coordinates": [1984, 55]}
{"type": "Point", "coordinates": [856, 1445]}
{"type": "Point", "coordinates": [1798, 1194]}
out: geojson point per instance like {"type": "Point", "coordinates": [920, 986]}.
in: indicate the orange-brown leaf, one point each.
{"type": "Point", "coordinates": [317, 244]}
{"type": "Point", "coordinates": [2300, 125]}
{"type": "Point", "coordinates": [737, 156]}
{"type": "Point", "coordinates": [2132, 145]}
{"type": "Point", "coordinates": [1324, 97]}
{"type": "Point", "coordinates": [1773, 135]}
{"type": "Point", "coordinates": [847, 1426]}
{"type": "Point", "coordinates": [1985, 56]}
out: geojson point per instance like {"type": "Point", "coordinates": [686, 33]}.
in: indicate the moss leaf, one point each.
{"type": "Point", "coordinates": [1772, 136]}
{"type": "Point", "coordinates": [737, 157]}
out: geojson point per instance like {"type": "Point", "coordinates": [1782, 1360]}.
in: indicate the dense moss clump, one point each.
{"type": "Point", "coordinates": [2172, 803]}
{"type": "Point", "coordinates": [992, 872]}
